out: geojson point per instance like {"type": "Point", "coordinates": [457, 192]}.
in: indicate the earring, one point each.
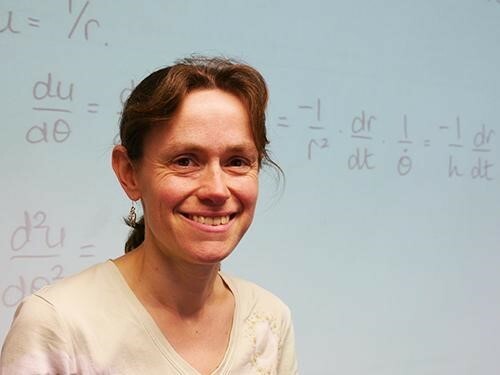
{"type": "Point", "coordinates": [132, 215]}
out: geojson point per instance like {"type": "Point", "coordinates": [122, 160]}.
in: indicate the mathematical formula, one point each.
{"type": "Point", "coordinates": [82, 25]}
{"type": "Point", "coordinates": [36, 238]}
{"type": "Point", "coordinates": [362, 132]}
{"type": "Point", "coordinates": [54, 103]}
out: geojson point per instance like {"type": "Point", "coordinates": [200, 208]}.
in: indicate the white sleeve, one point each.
{"type": "Point", "coordinates": [287, 364]}
{"type": "Point", "coordinates": [37, 342]}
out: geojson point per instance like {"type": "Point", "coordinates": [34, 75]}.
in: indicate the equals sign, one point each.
{"type": "Point", "coordinates": [87, 255]}
{"type": "Point", "coordinates": [282, 124]}
{"type": "Point", "coordinates": [33, 22]}
{"type": "Point", "coordinates": [92, 108]}
{"type": "Point", "coordinates": [427, 142]}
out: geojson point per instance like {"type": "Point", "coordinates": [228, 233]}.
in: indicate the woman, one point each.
{"type": "Point", "coordinates": [193, 140]}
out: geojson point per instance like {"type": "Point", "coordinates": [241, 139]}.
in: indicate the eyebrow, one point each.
{"type": "Point", "coordinates": [192, 147]}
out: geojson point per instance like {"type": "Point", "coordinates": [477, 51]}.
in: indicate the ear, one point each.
{"type": "Point", "coordinates": [125, 172]}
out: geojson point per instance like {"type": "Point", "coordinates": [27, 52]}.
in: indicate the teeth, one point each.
{"type": "Point", "coordinates": [211, 220]}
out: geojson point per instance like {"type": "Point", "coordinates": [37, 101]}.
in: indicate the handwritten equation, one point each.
{"type": "Point", "coordinates": [81, 25]}
{"type": "Point", "coordinates": [362, 131]}
{"type": "Point", "coordinates": [34, 239]}
{"type": "Point", "coordinates": [54, 102]}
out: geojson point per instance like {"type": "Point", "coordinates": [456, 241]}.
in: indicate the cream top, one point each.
{"type": "Point", "coordinates": [92, 323]}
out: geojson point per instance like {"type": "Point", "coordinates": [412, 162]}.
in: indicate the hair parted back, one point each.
{"type": "Point", "coordinates": [156, 100]}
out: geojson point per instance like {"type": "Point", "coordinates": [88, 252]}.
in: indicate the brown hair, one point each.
{"type": "Point", "coordinates": [157, 98]}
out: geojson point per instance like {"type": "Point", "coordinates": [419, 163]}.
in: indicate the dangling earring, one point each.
{"type": "Point", "coordinates": [132, 215]}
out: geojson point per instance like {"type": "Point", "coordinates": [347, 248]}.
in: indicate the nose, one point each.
{"type": "Point", "coordinates": [213, 189]}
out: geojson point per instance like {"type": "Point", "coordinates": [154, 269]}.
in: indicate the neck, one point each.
{"type": "Point", "coordinates": [159, 281]}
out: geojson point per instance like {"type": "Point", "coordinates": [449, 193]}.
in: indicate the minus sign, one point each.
{"type": "Point", "coordinates": [87, 255]}
{"type": "Point", "coordinates": [408, 142]}
{"type": "Point", "coordinates": [480, 150]}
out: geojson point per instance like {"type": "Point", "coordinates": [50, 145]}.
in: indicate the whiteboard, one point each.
{"type": "Point", "coordinates": [384, 239]}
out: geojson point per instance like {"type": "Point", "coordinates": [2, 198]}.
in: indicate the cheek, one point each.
{"type": "Point", "coordinates": [171, 195]}
{"type": "Point", "coordinates": [249, 193]}
{"type": "Point", "coordinates": [166, 195]}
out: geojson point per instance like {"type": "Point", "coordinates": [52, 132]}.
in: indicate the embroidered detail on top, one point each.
{"type": "Point", "coordinates": [263, 333]}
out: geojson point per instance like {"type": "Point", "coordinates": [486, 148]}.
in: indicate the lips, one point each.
{"type": "Point", "coordinates": [211, 220]}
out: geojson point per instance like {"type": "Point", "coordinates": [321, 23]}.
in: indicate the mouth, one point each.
{"type": "Point", "coordinates": [211, 220]}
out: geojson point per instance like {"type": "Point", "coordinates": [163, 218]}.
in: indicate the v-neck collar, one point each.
{"type": "Point", "coordinates": [154, 332]}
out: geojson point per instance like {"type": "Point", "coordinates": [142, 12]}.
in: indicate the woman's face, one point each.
{"type": "Point", "coordinates": [198, 179]}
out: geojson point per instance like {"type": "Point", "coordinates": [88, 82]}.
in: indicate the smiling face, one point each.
{"type": "Point", "coordinates": [198, 179]}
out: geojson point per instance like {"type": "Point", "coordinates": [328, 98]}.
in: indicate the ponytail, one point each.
{"type": "Point", "coordinates": [136, 235]}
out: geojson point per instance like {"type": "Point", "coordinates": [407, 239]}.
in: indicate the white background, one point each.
{"type": "Point", "coordinates": [387, 271]}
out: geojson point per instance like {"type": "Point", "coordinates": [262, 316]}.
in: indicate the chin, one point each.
{"type": "Point", "coordinates": [211, 256]}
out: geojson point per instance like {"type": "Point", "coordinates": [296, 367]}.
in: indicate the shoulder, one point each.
{"type": "Point", "coordinates": [63, 305]}
{"type": "Point", "coordinates": [37, 341]}
{"type": "Point", "coordinates": [81, 288]}
{"type": "Point", "coordinates": [62, 320]}
{"type": "Point", "coordinates": [254, 299]}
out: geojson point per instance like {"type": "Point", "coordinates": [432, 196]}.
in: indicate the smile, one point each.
{"type": "Point", "coordinates": [211, 220]}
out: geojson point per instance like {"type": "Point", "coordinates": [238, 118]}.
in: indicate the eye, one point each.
{"type": "Point", "coordinates": [238, 162]}
{"type": "Point", "coordinates": [183, 162]}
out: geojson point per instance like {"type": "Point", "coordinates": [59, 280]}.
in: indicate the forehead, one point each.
{"type": "Point", "coordinates": [211, 104]}
{"type": "Point", "coordinates": [206, 118]}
